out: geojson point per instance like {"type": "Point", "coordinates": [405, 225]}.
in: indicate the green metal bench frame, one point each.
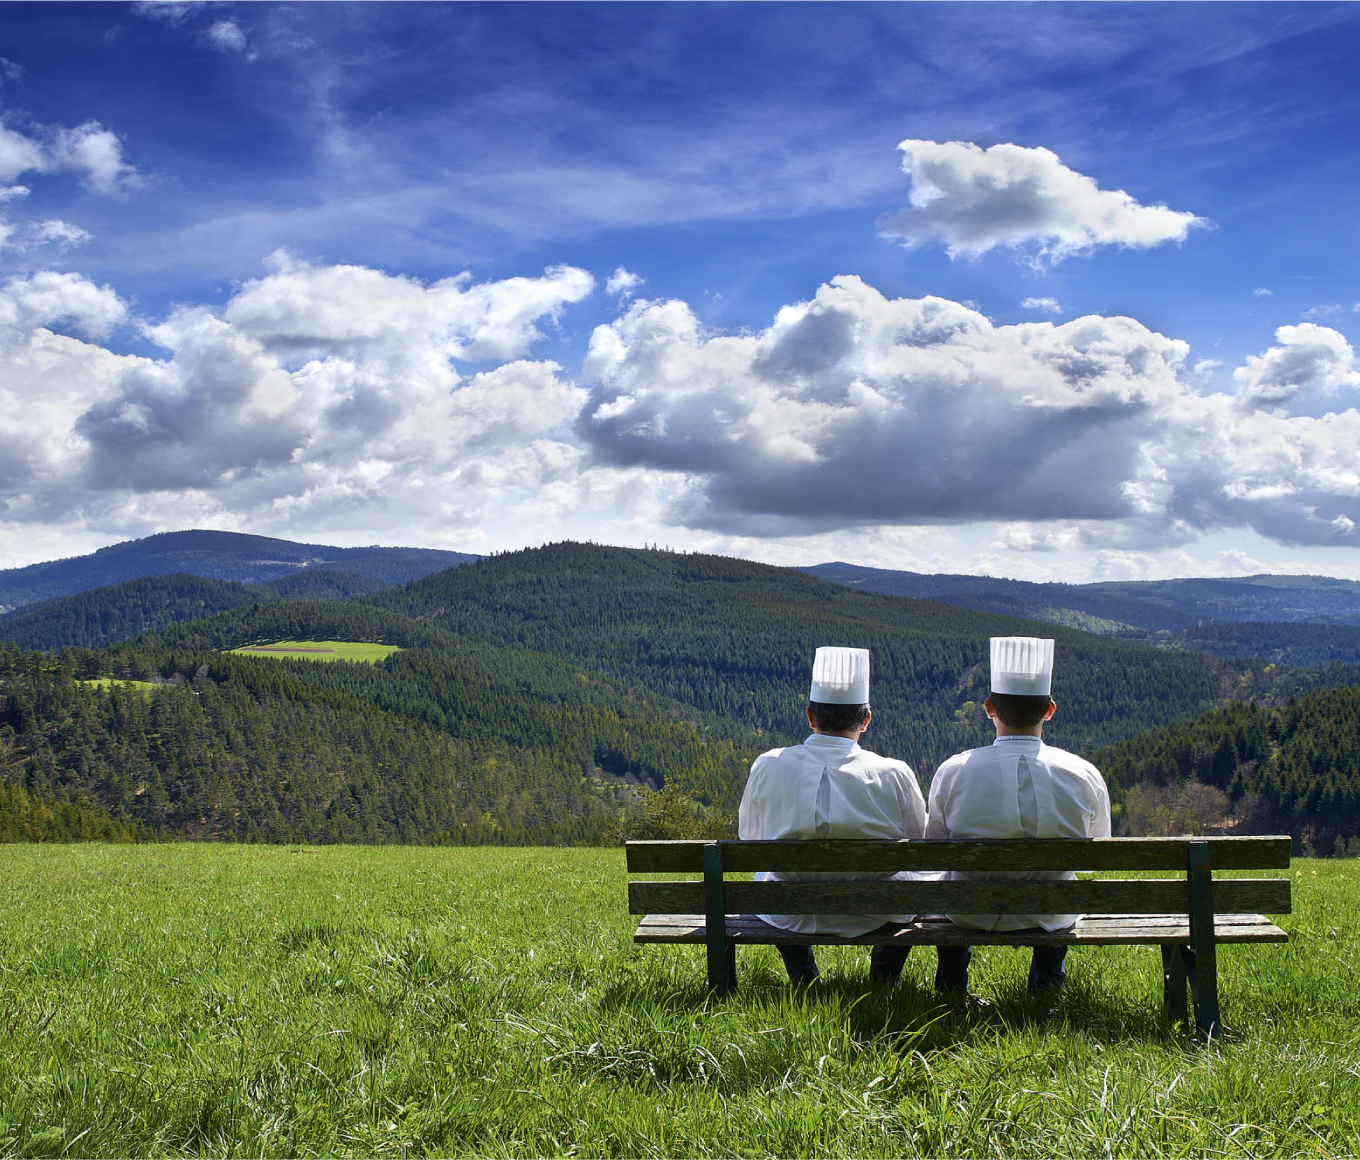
{"type": "Point", "coordinates": [1187, 916]}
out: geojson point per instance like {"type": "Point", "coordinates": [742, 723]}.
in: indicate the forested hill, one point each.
{"type": "Point", "coordinates": [736, 639]}
{"type": "Point", "coordinates": [215, 556]}
{"type": "Point", "coordinates": [1288, 769]}
{"type": "Point", "coordinates": [444, 741]}
{"type": "Point", "coordinates": [104, 616]}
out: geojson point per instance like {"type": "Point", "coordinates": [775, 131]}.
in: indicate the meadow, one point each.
{"type": "Point", "coordinates": [215, 1000]}
{"type": "Point", "coordinates": [321, 650]}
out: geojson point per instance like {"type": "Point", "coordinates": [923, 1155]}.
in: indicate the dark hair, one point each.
{"type": "Point", "coordinates": [1019, 711]}
{"type": "Point", "coordinates": [831, 718]}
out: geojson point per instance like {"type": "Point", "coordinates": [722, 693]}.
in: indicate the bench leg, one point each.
{"type": "Point", "coordinates": [1204, 977]}
{"type": "Point", "coordinates": [722, 954]}
{"type": "Point", "coordinates": [722, 968]}
{"type": "Point", "coordinates": [1204, 992]}
{"type": "Point", "coordinates": [1174, 979]}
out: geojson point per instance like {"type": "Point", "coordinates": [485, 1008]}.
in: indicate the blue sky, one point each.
{"type": "Point", "coordinates": [1050, 291]}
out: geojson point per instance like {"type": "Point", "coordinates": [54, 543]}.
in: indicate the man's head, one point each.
{"type": "Point", "coordinates": [1019, 712]}
{"type": "Point", "coordinates": [844, 720]}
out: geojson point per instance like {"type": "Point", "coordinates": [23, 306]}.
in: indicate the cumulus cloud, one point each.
{"type": "Point", "coordinates": [973, 199]}
{"type": "Point", "coordinates": [854, 410]}
{"type": "Point", "coordinates": [89, 150]}
{"type": "Point", "coordinates": [1308, 362]}
{"type": "Point", "coordinates": [622, 283]}
{"type": "Point", "coordinates": [315, 393]}
{"type": "Point", "coordinates": [47, 298]}
{"type": "Point", "coordinates": [301, 308]}
{"type": "Point", "coordinates": [1044, 305]}
{"type": "Point", "coordinates": [1262, 292]}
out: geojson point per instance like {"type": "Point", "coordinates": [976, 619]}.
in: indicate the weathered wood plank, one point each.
{"type": "Point", "coordinates": [1249, 853]}
{"type": "Point", "coordinates": [1127, 896]}
{"type": "Point", "coordinates": [1091, 931]}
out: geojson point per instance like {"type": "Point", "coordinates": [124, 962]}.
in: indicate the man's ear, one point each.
{"type": "Point", "coordinates": [989, 707]}
{"type": "Point", "coordinates": [808, 713]}
{"type": "Point", "coordinates": [1052, 708]}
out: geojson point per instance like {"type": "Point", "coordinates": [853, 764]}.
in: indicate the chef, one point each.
{"type": "Point", "coordinates": [828, 787]}
{"type": "Point", "coordinates": [1017, 787]}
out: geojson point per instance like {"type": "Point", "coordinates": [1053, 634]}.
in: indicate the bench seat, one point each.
{"type": "Point", "coordinates": [1186, 916]}
{"type": "Point", "coordinates": [1092, 930]}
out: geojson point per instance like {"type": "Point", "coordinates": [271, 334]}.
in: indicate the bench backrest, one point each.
{"type": "Point", "coordinates": [1194, 859]}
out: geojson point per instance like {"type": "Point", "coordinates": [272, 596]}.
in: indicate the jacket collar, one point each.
{"type": "Point", "coordinates": [1020, 739]}
{"type": "Point", "coordinates": [830, 743]}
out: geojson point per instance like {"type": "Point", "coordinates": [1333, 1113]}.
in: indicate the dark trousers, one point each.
{"type": "Point", "coordinates": [1047, 969]}
{"type": "Point", "coordinates": [885, 963]}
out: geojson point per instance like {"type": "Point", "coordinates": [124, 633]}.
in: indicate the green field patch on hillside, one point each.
{"type": "Point", "coordinates": [109, 682]}
{"type": "Point", "coordinates": [321, 650]}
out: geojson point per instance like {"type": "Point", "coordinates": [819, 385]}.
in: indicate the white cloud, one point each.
{"type": "Point", "coordinates": [226, 35]}
{"type": "Point", "coordinates": [1045, 305]}
{"type": "Point", "coordinates": [302, 308]}
{"type": "Point", "coordinates": [172, 11]}
{"type": "Point", "coordinates": [90, 150]}
{"type": "Point", "coordinates": [97, 154]}
{"type": "Point", "coordinates": [1310, 363]}
{"type": "Point", "coordinates": [623, 282]}
{"type": "Point", "coordinates": [973, 199]}
{"type": "Point", "coordinates": [1261, 292]}
{"type": "Point", "coordinates": [317, 397]}
{"type": "Point", "coordinates": [853, 410]}
{"type": "Point", "coordinates": [54, 231]}
{"type": "Point", "coordinates": [46, 298]}
{"type": "Point", "coordinates": [19, 154]}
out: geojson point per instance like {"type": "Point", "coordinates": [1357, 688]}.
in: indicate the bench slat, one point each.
{"type": "Point", "coordinates": [1249, 853]}
{"type": "Point", "coordinates": [1140, 896]}
{"type": "Point", "coordinates": [1093, 930]}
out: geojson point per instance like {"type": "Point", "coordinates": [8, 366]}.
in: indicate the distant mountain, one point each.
{"type": "Point", "coordinates": [100, 617]}
{"type": "Point", "coordinates": [215, 556]}
{"type": "Point", "coordinates": [1130, 608]}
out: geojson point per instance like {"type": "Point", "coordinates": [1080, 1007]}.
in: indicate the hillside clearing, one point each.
{"type": "Point", "coordinates": [321, 650]}
{"type": "Point", "coordinates": [222, 1000]}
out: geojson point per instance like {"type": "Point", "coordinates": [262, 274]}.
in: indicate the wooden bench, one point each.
{"type": "Point", "coordinates": [1187, 915]}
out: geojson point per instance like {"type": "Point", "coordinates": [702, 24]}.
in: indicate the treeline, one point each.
{"type": "Point", "coordinates": [736, 639]}
{"type": "Point", "coordinates": [105, 616]}
{"type": "Point", "coordinates": [233, 749]}
{"type": "Point", "coordinates": [1249, 768]}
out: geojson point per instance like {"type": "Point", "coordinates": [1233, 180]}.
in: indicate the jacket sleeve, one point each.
{"type": "Point", "coordinates": [914, 806]}
{"type": "Point", "coordinates": [939, 793]}
{"type": "Point", "coordinates": [748, 813]}
{"type": "Point", "coordinates": [1099, 825]}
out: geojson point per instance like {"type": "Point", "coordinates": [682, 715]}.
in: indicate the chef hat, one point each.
{"type": "Point", "coordinates": [1023, 665]}
{"type": "Point", "coordinates": [840, 676]}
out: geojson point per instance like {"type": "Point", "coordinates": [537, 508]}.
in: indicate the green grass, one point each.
{"type": "Point", "coordinates": [321, 650]}
{"type": "Point", "coordinates": [108, 682]}
{"type": "Point", "coordinates": [232, 1000]}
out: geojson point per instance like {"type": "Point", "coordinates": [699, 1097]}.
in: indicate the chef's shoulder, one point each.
{"type": "Point", "coordinates": [871, 763]}
{"type": "Point", "coordinates": [1071, 762]}
{"type": "Point", "coordinates": [770, 756]}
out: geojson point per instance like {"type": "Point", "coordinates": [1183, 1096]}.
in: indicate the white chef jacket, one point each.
{"type": "Point", "coordinates": [829, 787]}
{"type": "Point", "coordinates": [1017, 787]}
